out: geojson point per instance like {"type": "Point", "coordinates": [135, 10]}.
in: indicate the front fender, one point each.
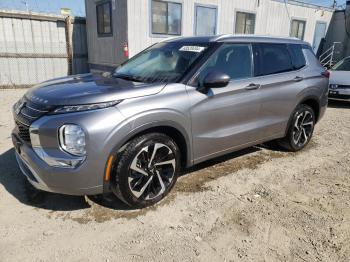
{"type": "Point", "coordinates": [147, 120]}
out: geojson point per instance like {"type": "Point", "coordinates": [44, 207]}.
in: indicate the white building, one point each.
{"type": "Point", "coordinates": [137, 24]}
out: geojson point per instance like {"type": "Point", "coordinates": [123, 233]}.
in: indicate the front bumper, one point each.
{"type": "Point", "coordinates": [52, 179]}
{"type": "Point", "coordinates": [101, 127]}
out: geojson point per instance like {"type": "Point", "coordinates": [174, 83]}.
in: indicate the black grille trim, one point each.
{"type": "Point", "coordinates": [23, 131]}
{"type": "Point", "coordinates": [27, 115]}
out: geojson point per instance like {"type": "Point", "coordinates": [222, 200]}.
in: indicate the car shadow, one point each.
{"type": "Point", "coordinates": [221, 159]}
{"type": "Point", "coordinates": [112, 202]}
{"type": "Point", "coordinates": [17, 185]}
{"type": "Point", "coordinates": [338, 104]}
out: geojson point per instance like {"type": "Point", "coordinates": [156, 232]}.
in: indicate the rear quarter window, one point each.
{"type": "Point", "coordinates": [297, 56]}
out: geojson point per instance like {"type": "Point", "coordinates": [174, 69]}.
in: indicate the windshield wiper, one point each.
{"type": "Point", "coordinates": [128, 77]}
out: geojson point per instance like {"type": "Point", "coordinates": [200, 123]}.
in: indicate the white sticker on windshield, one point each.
{"type": "Point", "coordinates": [192, 48]}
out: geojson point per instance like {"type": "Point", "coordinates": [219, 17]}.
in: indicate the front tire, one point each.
{"type": "Point", "coordinates": [300, 130]}
{"type": "Point", "coordinates": [147, 170]}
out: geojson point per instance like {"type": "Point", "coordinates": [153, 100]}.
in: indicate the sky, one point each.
{"type": "Point", "coordinates": [78, 6]}
{"type": "Point", "coordinates": [47, 6]}
{"type": "Point", "coordinates": [326, 2]}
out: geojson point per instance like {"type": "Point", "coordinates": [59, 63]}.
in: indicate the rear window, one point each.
{"type": "Point", "coordinates": [274, 59]}
{"type": "Point", "coordinates": [297, 56]}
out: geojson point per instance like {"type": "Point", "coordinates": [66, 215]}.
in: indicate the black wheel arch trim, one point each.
{"type": "Point", "coordinates": [300, 102]}
{"type": "Point", "coordinates": [149, 126]}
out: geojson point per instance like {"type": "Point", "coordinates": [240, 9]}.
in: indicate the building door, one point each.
{"type": "Point", "coordinates": [205, 20]}
{"type": "Point", "coordinates": [320, 32]}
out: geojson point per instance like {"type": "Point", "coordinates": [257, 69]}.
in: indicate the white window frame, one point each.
{"type": "Point", "coordinates": [299, 20]}
{"type": "Point", "coordinates": [243, 11]}
{"type": "Point", "coordinates": [151, 34]}
{"type": "Point", "coordinates": [195, 16]}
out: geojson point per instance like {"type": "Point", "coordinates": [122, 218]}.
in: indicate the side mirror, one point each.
{"type": "Point", "coordinates": [214, 79]}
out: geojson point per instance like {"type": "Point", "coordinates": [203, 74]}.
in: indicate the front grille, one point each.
{"type": "Point", "coordinates": [23, 131]}
{"type": "Point", "coordinates": [27, 115]}
{"type": "Point", "coordinates": [337, 96]}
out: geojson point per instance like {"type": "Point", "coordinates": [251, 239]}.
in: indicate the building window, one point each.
{"type": "Point", "coordinates": [298, 29]}
{"type": "Point", "coordinates": [205, 23]}
{"type": "Point", "coordinates": [245, 23]}
{"type": "Point", "coordinates": [104, 19]}
{"type": "Point", "coordinates": [166, 18]}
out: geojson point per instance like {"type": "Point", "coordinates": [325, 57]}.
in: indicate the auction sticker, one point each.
{"type": "Point", "coordinates": [192, 48]}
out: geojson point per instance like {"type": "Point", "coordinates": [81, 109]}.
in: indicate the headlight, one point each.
{"type": "Point", "coordinates": [54, 161]}
{"type": "Point", "coordinates": [72, 139]}
{"type": "Point", "coordinates": [333, 86]}
{"type": "Point", "coordinates": [79, 108]}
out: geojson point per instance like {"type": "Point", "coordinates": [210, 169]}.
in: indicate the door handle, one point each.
{"type": "Point", "coordinates": [298, 79]}
{"type": "Point", "coordinates": [252, 86]}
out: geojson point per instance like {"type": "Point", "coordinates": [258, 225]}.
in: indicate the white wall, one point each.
{"type": "Point", "coordinates": [271, 19]}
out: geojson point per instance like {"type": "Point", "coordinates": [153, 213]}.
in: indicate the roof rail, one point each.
{"type": "Point", "coordinates": [219, 37]}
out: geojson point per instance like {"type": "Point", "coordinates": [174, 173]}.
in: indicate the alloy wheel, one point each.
{"type": "Point", "coordinates": [151, 171]}
{"type": "Point", "coordinates": [303, 128]}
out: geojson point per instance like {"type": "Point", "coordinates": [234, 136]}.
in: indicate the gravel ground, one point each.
{"type": "Point", "coordinates": [258, 204]}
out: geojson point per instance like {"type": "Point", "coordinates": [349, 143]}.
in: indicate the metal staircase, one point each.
{"type": "Point", "coordinates": [328, 58]}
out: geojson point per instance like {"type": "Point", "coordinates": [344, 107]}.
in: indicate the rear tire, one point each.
{"type": "Point", "coordinates": [300, 130]}
{"type": "Point", "coordinates": [147, 170]}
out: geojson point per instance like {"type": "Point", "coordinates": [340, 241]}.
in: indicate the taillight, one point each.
{"type": "Point", "coordinates": [326, 74]}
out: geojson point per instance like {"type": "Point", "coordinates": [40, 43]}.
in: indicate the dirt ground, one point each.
{"type": "Point", "coordinates": [259, 204]}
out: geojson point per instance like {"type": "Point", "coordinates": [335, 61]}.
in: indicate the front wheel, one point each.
{"type": "Point", "coordinates": [147, 170]}
{"type": "Point", "coordinates": [300, 130]}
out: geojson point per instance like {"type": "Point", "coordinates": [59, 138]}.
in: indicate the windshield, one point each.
{"type": "Point", "coordinates": [343, 65]}
{"type": "Point", "coordinates": [163, 62]}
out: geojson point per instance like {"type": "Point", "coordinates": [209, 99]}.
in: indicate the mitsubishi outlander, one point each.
{"type": "Point", "coordinates": [176, 104]}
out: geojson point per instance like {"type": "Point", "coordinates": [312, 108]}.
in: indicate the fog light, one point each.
{"type": "Point", "coordinates": [72, 139]}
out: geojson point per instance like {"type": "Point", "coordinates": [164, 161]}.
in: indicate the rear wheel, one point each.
{"type": "Point", "coordinates": [300, 130]}
{"type": "Point", "coordinates": [147, 170]}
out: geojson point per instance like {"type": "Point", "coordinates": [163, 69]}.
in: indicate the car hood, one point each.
{"type": "Point", "coordinates": [87, 89]}
{"type": "Point", "coordinates": [339, 77]}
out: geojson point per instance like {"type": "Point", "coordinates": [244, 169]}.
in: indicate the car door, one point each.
{"type": "Point", "coordinates": [281, 79]}
{"type": "Point", "coordinates": [225, 118]}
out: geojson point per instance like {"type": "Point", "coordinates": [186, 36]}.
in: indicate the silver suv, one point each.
{"type": "Point", "coordinates": [174, 105]}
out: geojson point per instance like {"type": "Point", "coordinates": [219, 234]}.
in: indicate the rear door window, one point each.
{"type": "Point", "coordinates": [297, 56]}
{"type": "Point", "coordinates": [274, 59]}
